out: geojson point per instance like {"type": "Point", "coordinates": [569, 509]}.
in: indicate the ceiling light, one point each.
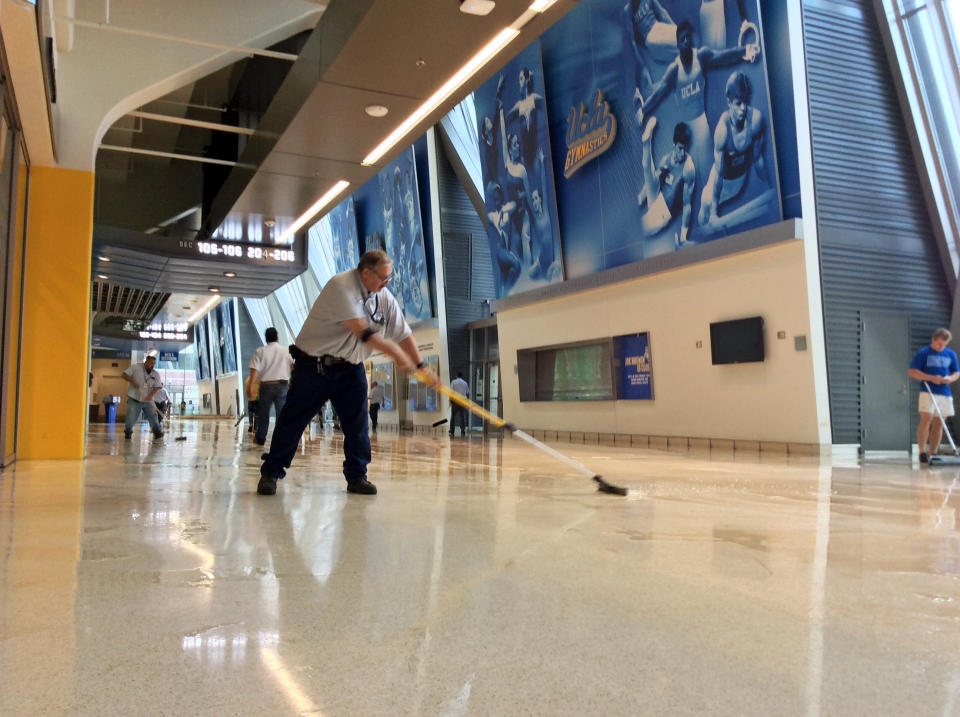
{"type": "Point", "coordinates": [103, 258]}
{"type": "Point", "coordinates": [185, 308]}
{"type": "Point", "coordinates": [376, 110]}
{"type": "Point", "coordinates": [269, 222]}
{"type": "Point", "coordinates": [199, 312]}
{"type": "Point", "coordinates": [477, 7]}
{"type": "Point", "coordinates": [213, 289]}
{"type": "Point", "coordinates": [542, 5]}
{"type": "Point", "coordinates": [312, 211]}
{"type": "Point", "coordinates": [230, 274]}
{"type": "Point", "coordinates": [448, 88]}
{"type": "Point", "coordinates": [103, 276]}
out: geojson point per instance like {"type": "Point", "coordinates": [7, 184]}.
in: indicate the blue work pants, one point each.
{"type": "Point", "coordinates": [345, 386]}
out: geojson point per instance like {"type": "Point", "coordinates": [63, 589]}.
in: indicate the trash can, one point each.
{"type": "Point", "coordinates": [110, 404]}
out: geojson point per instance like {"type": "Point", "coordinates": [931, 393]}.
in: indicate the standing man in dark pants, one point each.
{"type": "Point", "coordinates": [458, 414]}
{"type": "Point", "coordinates": [376, 401]}
{"type": "Point", "coordinates": [354, 316]}
{"type": "Point", "coordinates": [270, 367]}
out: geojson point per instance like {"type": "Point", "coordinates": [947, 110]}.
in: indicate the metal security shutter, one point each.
{"type": "Point", "coordinates": [877, 250]}
{"type": "Point", "coordinates": [468, 273]}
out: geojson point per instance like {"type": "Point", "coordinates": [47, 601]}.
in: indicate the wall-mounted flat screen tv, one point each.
{"type": "Point", "coordinates": [738, 341]}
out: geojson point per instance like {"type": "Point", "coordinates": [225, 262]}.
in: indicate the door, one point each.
{"type": "Point", "coordinates": [493, 390]}
{"type": "Point", "coordinates": [884, 386]}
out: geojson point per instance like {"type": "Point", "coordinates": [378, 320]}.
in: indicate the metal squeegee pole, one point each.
{"type": "Point", "coordinates": [556, 454]}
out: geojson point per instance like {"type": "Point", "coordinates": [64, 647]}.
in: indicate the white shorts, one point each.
{"type": "Point", "coordinates": [944, 403]}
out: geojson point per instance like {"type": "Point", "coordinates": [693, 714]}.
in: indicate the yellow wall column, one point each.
{"type": "Point", "coordinates": [56, 314]}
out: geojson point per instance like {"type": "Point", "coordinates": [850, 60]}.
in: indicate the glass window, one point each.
{"type": "Point", "coordinates": [929, 62]}
{"type": "Point", "coordinates": [461, 126]}
{"type": "Point", "coordinates": [293, 302]}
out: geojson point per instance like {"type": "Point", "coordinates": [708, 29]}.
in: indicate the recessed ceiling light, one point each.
{"type": "Point", "coordinates": [213, 290]}
{"type": "Point", "coordinates": [185, 308]}
{"type": "Point", "coordinates": [376, 110]}
{"type": "Point", "coordinates": [473, 65]}
{"type": "Point", "coordinates": [230, 274]}
{"type": "Point", "coordinates": [103, 258]}
{"type": "Point", "coordinates": [477, 7]}
{"type": "Point", "coordinates": [103, 276]}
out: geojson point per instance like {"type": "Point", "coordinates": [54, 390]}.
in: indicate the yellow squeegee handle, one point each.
{"type": "Point", "coordinates": [423, 377]}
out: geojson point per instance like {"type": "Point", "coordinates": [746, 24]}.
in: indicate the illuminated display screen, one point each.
{"type": "Point", "coordinates": [164, 332]}
{"type": "Point", "coordinates": [242, 251]}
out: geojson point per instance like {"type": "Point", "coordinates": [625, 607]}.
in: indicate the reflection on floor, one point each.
{"type": "Point", "coordinates": [485, 578]}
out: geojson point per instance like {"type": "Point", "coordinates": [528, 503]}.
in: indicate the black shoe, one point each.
{"type": "Point", "coordinates": [362, 486]}
{"type": "Point", "coordinates": [924, 458]}
{"type": "Point", "coordinates": [158, 436]}
{"type": "Point", "coordinates": [127, 435]}
{"type": "Point", "coordinates": [267, 486]}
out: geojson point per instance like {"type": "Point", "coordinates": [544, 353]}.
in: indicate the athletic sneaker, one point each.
{"type": "Point", "coordinates": [924, 458]}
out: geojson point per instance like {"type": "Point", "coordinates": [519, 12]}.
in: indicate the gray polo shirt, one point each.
{"type": "Point", "coordinates": [146, 381]}
{"type": "Point", "coordinates": [344, 297]}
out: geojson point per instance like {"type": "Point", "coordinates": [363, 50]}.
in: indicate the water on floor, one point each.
{"type": "Point", "coordinates": [485, 578]}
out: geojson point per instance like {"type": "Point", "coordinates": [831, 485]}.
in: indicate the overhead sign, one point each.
{"type": "Point", "coordinates": [188, 246]}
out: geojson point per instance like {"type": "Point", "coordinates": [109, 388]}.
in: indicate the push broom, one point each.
{"type": "Point", "coordinates": [602, 485]}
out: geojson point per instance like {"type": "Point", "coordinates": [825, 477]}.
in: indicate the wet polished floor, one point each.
{"type": "Point", "coordinates": [484, 579]}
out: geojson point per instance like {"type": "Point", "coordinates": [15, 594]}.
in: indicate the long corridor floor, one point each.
{"type": "Point", "coordinates": [484, 579]}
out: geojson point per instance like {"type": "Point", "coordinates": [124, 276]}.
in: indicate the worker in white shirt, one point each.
{"type": "Point", "coordinates": [270, 367]}
{"type": "Point", "coordinates": [144, 385]}
{"type": "Point", "coordinates": [458, 414]}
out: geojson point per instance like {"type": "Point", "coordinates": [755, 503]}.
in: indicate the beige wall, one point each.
{"type": "Point", "coordinates": [227, 387]}
{"type": "Point", "coordinates": [203, 387]}
{"type": "Point", "coordinates": [771, 401]}
{"type": "Point", "coordinates": [106, 380]}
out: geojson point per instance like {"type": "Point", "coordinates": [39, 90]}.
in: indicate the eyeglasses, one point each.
{"type": "Point", "coordinates": [383, 279]}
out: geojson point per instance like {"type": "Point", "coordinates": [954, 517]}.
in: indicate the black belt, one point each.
{"type": "Point", "coordinates": [271, 383]}
{"type": "Point", "coordinates": [322, 363]}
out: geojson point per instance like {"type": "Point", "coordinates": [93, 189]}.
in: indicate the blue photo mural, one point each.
{"type": "Point", "coordinates": [342, 221]}
{"type": "Point", "coordinates": [518, 189]}
{"type": "Point", "coordinates": [403, 235]}
{"type": "Point", "coordinates": [203, 352]}
{"type": "Point", "coordinates": [691, 158]}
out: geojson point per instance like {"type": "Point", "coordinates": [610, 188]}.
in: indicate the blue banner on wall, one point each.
{"type": "Point", "coordinates": [342, 221]}
{"type": "Point", "coordinates": [227, 349]}
{"type": "Point", "coordinates": [692, 158]}
{"type": "Point", "coordinates": [203, 354]}
{"type": "Point", "coordinates": [634, 373]}
{"type": "Point", "coordinates": [518, 188]}
{"type": "Point", "coordinates": [403, 235]}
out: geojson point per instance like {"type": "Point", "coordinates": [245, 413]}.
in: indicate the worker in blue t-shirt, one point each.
{"type": "Point", "coordinates": [937, 367]}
